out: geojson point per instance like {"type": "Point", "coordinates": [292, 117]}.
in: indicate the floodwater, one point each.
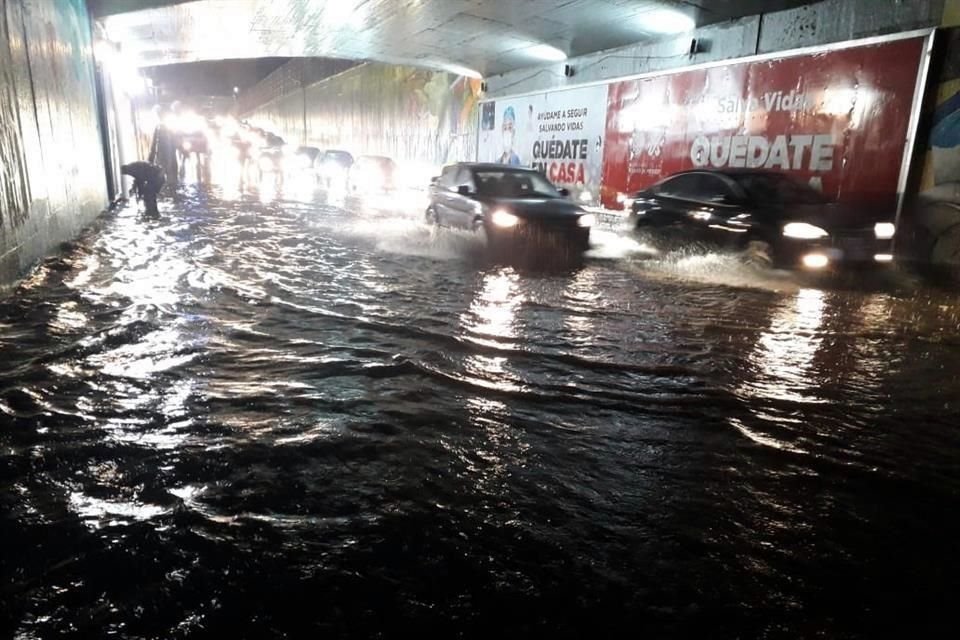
{"type": "Point", "coordinates": [261, 417]}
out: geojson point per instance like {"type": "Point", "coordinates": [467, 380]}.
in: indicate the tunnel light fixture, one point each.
{"type": "Point", "coordinates": [463, 71]}
{"type": "Point", "coordinates": [666, 21]}
{"type": "Point", "coordinates": [546, 52]}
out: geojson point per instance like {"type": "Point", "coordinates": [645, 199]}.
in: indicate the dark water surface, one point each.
{"type": "Point", "coordinates": [268, 419]}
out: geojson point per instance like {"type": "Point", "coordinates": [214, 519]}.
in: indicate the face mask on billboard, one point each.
{"type": "Point", "coordinates": [507, 141]}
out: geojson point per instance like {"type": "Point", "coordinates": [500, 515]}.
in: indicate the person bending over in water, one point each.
{"type": "Point", "coordinates": [148, 179]}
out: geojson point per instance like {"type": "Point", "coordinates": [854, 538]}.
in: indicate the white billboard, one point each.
{"type": "Point", "coordinates": [560, 133]}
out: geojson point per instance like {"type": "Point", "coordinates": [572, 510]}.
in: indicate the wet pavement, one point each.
{"type": "Point", "coordinates": [263, 417]}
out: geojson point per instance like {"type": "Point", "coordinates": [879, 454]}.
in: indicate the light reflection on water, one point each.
{"type": "Point", "coordinates": [493, 311]}
{"type": "Point", "coordinates": [786, 351]}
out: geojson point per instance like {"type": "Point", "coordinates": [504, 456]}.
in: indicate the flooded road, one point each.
{"type": "Point", "coordinates": [263, 418]}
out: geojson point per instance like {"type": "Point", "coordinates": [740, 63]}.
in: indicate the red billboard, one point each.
{"type": "Point", "coordinates": [837, 119]}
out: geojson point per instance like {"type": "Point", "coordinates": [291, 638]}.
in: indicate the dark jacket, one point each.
{"type": "Point", "coordinates": [147, 178]}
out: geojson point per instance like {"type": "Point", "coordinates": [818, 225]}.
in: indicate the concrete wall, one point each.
{"type": "Point", "coordinates": [821, 23]}
{"type": "Point", "coordinates": [411, 115]}
{"type": "Point", "coordinates": [52, 178]}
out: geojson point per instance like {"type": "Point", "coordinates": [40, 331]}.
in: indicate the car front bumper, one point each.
{"type": "Point", "coordinates": [541, 236]}
{"type": "Point", "coordinates": [849, 249]}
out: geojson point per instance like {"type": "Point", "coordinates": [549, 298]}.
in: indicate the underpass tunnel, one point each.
{"type": "Point", "coordinates": [470, 315]}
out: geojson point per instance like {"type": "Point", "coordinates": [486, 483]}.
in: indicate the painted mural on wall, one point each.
{"type": "Point", "coordinates": [935, 236]}
{"type": "Point", "coordinates": [941, 174]}
{"type": "Point", "coordinates": [412, 115]}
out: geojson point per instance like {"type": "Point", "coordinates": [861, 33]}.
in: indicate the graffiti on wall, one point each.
{"type": "Point", "coordinates": [941, 171]}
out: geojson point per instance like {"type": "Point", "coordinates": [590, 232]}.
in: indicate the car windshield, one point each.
{"type": "Point", "coordinates": [772, 188]}
{"type": "Point", "coordinates": [514, 184]}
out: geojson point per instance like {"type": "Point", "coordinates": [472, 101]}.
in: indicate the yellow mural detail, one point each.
{"type": "Point", "coordinates": [940, 164]}
{"type": "Point", "coordinates": [951, 13]}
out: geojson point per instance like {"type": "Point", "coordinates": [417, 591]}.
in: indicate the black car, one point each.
{"type": "Point", "coordinates": [334, 168]}
{"type": "Point", "coordinates": [511, 204]}
{"type": "Point", "coordinates": [787, 222]}
{"type": "Point", "coordinates": [270, 157]}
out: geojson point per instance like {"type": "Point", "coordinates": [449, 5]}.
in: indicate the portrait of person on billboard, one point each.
{"type": "Point", "coordinates": [488, 119]}
{"type": "Point", "coordinates": [508, 135]}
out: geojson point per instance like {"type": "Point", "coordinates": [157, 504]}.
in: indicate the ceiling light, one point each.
{"type": "Point", "coordinates": [666, 21]}
{"type": "Point", "coordinates": [546, 52]}
{"type": "Point", "coordinates": [463, 71]}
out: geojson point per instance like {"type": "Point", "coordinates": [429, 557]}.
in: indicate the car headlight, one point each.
{"type": "Point", "coordinates": [587, 220]}
{"type": "Point", "coordinates": [884, 230]}
{"type": "Point", "coordinates": [804, 231]}
{"type": "Point", "coordinates": [504, 219]}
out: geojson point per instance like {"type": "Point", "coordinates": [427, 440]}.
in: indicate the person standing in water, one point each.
{"type": "Point", "coordinates": [148, 179]}
{"type": "Point", "coordinates": [163, 148]}
{"type": "Point", "coordinates": [508, 136]}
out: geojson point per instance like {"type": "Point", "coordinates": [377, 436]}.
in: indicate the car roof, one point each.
{"type": "Point", "coordinates": [729, 173]}
{"type": "Point", "coordinates": [493, 166]}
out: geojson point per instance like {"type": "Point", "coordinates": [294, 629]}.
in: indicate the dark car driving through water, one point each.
{"type": "Point", "coordinates": [512, 205]}
{"type": "Point", "coordinates": [334, 168]}
{"type": "Point", "coordinates": [785, 222]}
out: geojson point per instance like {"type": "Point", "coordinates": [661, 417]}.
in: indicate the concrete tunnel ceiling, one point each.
{"type": "Point", "coordinates": [489, 36]}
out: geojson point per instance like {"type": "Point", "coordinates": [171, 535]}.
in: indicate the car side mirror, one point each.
{"type": "Point", "coordinates": [564, 192]}
{"type": "Point", "coordinates": [463, 190]}
{"type": "Point", "coordinates": [434, 180]}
